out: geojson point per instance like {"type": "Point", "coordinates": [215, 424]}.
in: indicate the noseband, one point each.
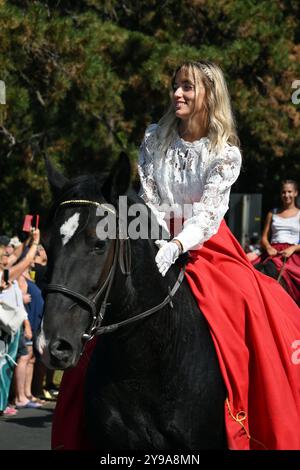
{"type": "Point", "coordinates": [122, 251]}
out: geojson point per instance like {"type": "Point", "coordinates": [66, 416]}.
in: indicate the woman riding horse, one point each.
{"type": "Point", "coordinates": [192, 158]}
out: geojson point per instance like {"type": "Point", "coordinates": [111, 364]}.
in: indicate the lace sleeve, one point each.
{"type": "Point", "coordinates": [210, 210]}
{"type": "Point", "coordinates": [149, 191]}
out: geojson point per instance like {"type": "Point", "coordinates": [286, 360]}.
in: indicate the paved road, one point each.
{"type": "Point", "coordinates": [28, 430]}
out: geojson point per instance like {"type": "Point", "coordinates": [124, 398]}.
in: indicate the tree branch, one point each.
{"type": "Point", "coordinates": [8, 135]}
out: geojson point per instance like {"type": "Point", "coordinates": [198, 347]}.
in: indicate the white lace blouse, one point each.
{"type": "Point", "coordinates": [188, 178]}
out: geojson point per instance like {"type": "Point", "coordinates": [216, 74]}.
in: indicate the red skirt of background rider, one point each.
{"type": "Point", "coordinates": [290, 270]}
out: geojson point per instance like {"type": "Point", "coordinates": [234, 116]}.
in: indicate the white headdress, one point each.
{"type": "Point", "coordinates": [206, 71]}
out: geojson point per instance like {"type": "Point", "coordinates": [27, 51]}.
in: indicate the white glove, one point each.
{"type": "Point", "coordinates": [166, 256]}
{"type": "Point", "coordinates": [161, 243]}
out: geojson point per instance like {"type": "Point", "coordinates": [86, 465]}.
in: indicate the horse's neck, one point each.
{"type": "Point", "coordinates": [146, 278]}
{"type": "Point", "coordinates": [142, 346]}
{"type": "Point", "coordinates": [144, 288]}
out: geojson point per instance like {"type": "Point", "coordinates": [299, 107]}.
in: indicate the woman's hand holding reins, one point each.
{"type": "Point", "coordinates": [167, 255]}
{"type": "Point", "coordinates": [287, 252]}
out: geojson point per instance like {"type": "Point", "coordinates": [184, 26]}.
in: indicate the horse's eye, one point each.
{"type": "Point", "coordinates": [99, 247]}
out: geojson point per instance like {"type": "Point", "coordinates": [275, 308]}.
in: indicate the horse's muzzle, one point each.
{"type": "Point", "coordinates": [61, 353]}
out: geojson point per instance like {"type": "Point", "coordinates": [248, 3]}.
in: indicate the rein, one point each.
{"type": "Point", "coordinates": [123, 254]}
{"type": "Point", "coordinates": [282, 269]}
{"type": "Point", "coordinates": [168, 300]}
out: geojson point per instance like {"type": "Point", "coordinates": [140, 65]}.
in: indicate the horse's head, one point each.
{"type": "Point", "coordinates": [80, 260]}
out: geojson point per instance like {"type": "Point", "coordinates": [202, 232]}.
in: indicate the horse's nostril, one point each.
{"type": "Point", "coordinates": [61, 349]}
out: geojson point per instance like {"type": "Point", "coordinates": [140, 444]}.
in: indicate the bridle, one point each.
{"type": "Point", "coordinates": [122, 253]}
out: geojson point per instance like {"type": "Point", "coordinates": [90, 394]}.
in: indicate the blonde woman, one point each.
{"type": "Point", "coordinates": [188, 163]}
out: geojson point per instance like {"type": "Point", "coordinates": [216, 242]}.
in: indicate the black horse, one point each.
{"type": "Point", "coordinates": [268, 267]}
{"type": "Point", "coordinates": [154, 383]}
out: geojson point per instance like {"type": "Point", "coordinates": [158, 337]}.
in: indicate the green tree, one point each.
{"type": "Point", "coordinates": [84, 78]}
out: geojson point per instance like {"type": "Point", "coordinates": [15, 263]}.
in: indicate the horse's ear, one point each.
{"type": "Point", "coordinates": [118, 180]}
{"type": "Point", "coordinates": [56, 179]}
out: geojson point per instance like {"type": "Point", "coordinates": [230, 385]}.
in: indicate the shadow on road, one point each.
{"type": "Point", "coordinates": [30, 429]}
{"type": "Point", "coordinates": [33, 421]}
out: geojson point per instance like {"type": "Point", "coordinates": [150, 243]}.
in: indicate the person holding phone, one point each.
{"type": "Point", "coordinates": [31, 222]}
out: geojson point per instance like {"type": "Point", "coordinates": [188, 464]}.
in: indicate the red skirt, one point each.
{"type": "Point", "coordinates": [290, 270]}
{"type": "Point", "coordinates": [255, 326]}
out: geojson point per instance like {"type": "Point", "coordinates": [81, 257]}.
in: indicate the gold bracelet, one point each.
{"type": "Point", "coordinates": [179, 244]}
{"type": "Point", "coordinates": [35, 243]}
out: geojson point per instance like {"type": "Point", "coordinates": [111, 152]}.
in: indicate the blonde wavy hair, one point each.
{"type": "Point", "coordinates": [220, 121]}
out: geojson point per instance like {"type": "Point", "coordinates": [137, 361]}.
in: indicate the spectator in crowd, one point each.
{"type": "Point", "coordinates": [23, 374]}
{"type": "Point", "coordinates": [11, 294]}
{"type": "Point", "coordinates": [49, 390]}
{"type": "Point", "coordinates": [8, 343]}
{"type": "Point", "coordinates": [281, 240]}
